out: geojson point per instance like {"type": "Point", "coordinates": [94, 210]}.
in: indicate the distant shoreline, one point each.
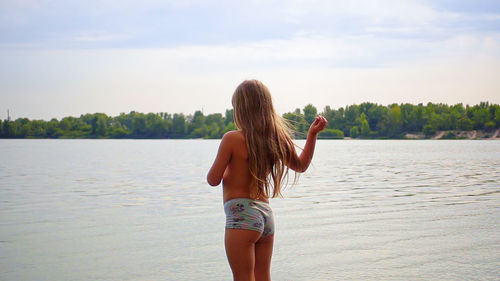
{"type": "Point", "coordinates": [439, 135]}
{"type": "Point", "coordinates": [364, 121]}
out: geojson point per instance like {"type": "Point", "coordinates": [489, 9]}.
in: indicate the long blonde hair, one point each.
{"type": "Point", "coordinates": [270, 147]}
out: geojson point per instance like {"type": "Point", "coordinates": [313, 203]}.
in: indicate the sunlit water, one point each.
{"type": "Point", "coordinates": [141, 210]}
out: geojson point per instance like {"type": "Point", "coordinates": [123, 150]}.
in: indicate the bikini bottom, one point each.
{"type": "Point", "coordinates": [246, 213]}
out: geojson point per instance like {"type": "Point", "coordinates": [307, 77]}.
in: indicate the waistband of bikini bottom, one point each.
{"type": "Point", "coordinates": [245, 200]}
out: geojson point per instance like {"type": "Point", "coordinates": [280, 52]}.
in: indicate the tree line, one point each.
{"type": "Point", "coordinates": [366, 120]}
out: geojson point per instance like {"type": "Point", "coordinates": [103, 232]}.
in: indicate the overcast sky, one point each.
{"type": "Point", "coordinates": [66, 58]}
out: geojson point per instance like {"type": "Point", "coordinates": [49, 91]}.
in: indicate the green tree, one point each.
{"type": "Point", "coordinates": [354, 132]}
{"type": "Point", "coordinates": [229, 116]}
{"type": "Point", "coordinates": [25, 127]}
{"type": "Point", "coordinates": [179, 125]}
{"type": "Point", "coordinates": [490, 125]}
{"type": "Point", "coordinates": [215, 123]}
{"type": "Point", "coordinates": [138, 124]}
{"type": "Point", "coordinates": [298, 122]}
{"type": "Point", "coordinates": [363, 124]}
{"type": "Point", "coordinates": [329, 114]}
{"type": "Point", "coordinates": [101, 125]}
{"type": "Point", "coordinates": [118, 131]}
{"type": "Point", "coordinates": [197, 128]}
{"type": "Point", "coordinates": [331, 134]}
{"type": "Point", "coordinates": [464, 123]}
{"type": "Point", "coordinates": [310, 113]}
{"type": "Point", "coordinates": [157, 125]}
{"type": "Point", "coordinates": [11, 129]}
{"type": "Point", "coordinates": [199, 132]}
{"type": "Point", "coordinates": [53, 130]}
{"type": "Point", "coordinates": [229, 127]}
{"type": "Point", "coordinates": [38, 128]}
{"type": "Point", "coordinates": [497, 116]}
{"type": "Point", "coordinates": [480, 116]}
{"type": "Point", "coordinates": [428, 130]}
{"type": "Point", "coordinates": [351, 115]}
{"type": "Point", "coordinates": [395, 120]}
{"type": "Point", "coordinates": [335, 118]}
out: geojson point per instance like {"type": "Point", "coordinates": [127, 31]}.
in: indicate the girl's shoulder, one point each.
{"type": "Point", "coordinates": [235, 140]}
{"type": "Point", "coordinates": [234, 135]}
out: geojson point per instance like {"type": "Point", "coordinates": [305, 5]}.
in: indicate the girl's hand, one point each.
{"type": "Point", "coordinates": [318, 125]}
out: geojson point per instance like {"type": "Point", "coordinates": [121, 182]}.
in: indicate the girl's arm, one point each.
{"type": "Point", "coordinates": [216, 172]}
{"type": "Point", "coordinates": [302, 163]}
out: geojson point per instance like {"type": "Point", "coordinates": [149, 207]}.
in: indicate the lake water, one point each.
{"type": "Point", "coordinates": [142, 210]}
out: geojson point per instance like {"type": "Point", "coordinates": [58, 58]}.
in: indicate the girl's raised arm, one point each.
{"type": "Point", "coordinates": [216, 172]}
{"type": "Point", "coordinates": [306, 156]}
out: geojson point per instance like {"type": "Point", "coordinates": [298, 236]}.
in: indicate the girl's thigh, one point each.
{"type": "Point", "coordinates": [263, 254]}
{"type": "Point", "coordinates": [240, 250]}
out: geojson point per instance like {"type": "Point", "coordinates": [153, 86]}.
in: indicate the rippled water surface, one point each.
{"type": "Point", "coordinates": [141, 210]}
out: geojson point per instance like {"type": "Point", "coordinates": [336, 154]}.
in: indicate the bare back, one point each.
{"type": "Point", "coordinates": [231, 167]}
{"type": "Point", "coordinates": [237, 179]}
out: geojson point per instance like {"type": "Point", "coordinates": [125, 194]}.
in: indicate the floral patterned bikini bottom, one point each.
{"type": "Point", "coordinates": [246, 213]}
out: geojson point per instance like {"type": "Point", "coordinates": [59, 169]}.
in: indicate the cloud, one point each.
{"type": "Point", "coordinates": [378, 12]}
{"type": "Point", "coordinates": [158, 24]}
{"type": "Point", "coordinates": [99, 36]}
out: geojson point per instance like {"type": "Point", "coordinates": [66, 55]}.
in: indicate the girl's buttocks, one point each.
{"type": "Point", "coordinates": [249, 214]}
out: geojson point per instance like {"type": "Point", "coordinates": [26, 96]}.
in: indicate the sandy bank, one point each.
{"type": "Point", "coordinates": [457, 134]}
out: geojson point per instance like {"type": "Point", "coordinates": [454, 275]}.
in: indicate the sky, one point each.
{"type": "Point", "coordinates": [67, 58]}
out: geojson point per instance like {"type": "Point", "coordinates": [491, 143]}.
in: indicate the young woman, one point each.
{"type": "Point", "coordinates": [252, 162]}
